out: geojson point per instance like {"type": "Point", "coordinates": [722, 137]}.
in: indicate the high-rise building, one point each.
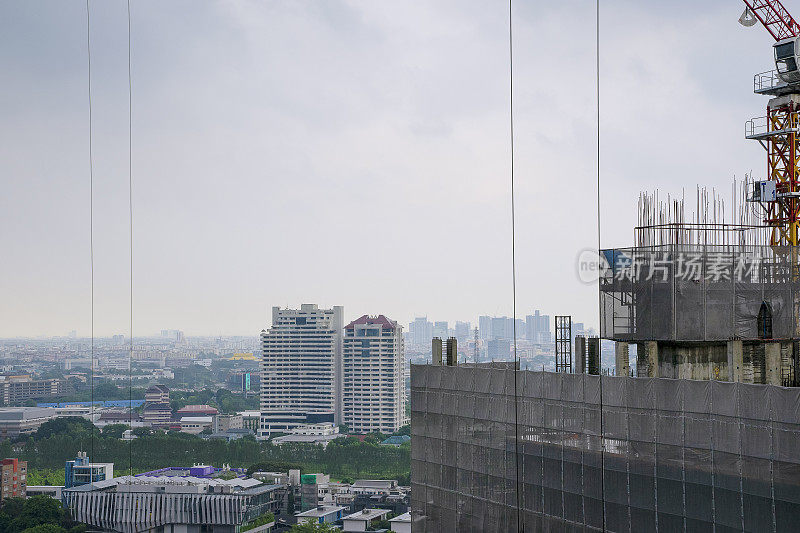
{"type": "Point", "coordinates": [537, 328]}
{"type": "Point", "coordinates": [498, 349]}
{"type": "Point", "coordinates": [374, 375]}
{"type": "Point", "coordinates": [421, 331]}
{"type": "Point", "coordinates": [485, 327]}
{"type": "Point", "coordinates": [301, 368]}
{"type": "Point", "coordinates": [462, 331]}
{"type": "Point", "coordinates": [13, 478]}
{"type": "Point", "coordinates": [157, 410]}
{"type": "Point", "coordinates": [440, 330]}
{"type": "Point", "coordinates": [502, 328]}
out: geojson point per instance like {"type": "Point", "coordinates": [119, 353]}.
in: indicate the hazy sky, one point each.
{"type": "Point", "coordinates": [348, 153]}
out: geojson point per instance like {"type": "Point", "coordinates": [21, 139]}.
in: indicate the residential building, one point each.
{"type": "Point", "coordinates": [80, 471]}
{"type": "Point", "coordinates": [374, 375]}
{"type": "Point", "coordinates": [301, 368]}
{"type": "Point", "coordinates": [421, 332]}
{"type": "Point", "coordinates": [13, 478]}
{"type": "Point", "coordinates": [156, 410]}
{"type": "Point", "coordinates": [16, 421]}
{"type": "Point", "coordinates": [185, 503]}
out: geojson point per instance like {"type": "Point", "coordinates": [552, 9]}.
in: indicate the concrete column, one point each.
{"type": "Point", "coordinates": [436, 350]}
{"type": "Point", "coordinates": [772, 357]}
{"type": "Point", "coordinates": [651, 353]}
{"type": "Point", "coordinates": [580, 354]}
{"type": "Point", "coordinates": [622, 353]}
{"type": "Point", "coordinates": [735, 350]}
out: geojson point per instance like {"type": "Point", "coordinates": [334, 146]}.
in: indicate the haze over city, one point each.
{"type": "Point", "coordinates": [346, 153]}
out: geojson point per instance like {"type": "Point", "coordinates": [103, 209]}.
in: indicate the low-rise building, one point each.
{"type": "Point", "coordinates": [196, 424]}
{"type": "Point", "coordinates": [16, 389]}
{"type": "Point", "coordinates": [53, 491]}
{"type": "Point", "coordinates": [80, 471]}
{"type": "Point", "coordinates": [363, 520]}
{"type": "Point", "coordinates": [197, 410]}
{"type": "Point", "coordinates": [16, 421]}
{"type": "Point", "coordinates": [402, 523]}
{"type": "Point", "coordinates": [13, 478]}
{"type": "Point", "coordinates": [373, 486]}
{"type": "Point", "coordinates": [226, 422]}
{"type": "Point", "coordinates": [321, 514]}
{"type": "Point", "coordinates": [185, 503]}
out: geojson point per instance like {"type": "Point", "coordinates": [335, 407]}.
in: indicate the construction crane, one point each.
{"type": "Point", "coordinates": [779, 194]}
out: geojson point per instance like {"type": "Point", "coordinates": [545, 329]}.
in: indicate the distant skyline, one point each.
{"type": "Point", "coordinates": [349, 153]}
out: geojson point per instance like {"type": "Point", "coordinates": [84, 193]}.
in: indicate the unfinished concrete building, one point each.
{"type": "Point", "coordinates": [703, 300]}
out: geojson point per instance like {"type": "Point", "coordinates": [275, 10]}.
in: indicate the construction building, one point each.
{"type": "Point", "coordinates": [713, 304]}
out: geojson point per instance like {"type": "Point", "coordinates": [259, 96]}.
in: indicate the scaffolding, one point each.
{"type": "Point", "coordinates": [563, 343]}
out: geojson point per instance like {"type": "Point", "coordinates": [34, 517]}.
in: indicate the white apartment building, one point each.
{"type": "Point", "coordinates": [301, 368]}
{"type": "Point", "coordinates": [374, 375]}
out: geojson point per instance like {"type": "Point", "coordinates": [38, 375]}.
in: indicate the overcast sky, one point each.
{"type": "Point", "coordinates": [348, 153]}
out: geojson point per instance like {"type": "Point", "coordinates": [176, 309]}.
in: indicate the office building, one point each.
{"type": "Point", "coordinates": [440, 329]}
{"type": "Point", "coordinates": [13, 478]}
{"type": "Point", "coordinates": [301, 368]}
{"type": "Point", "coordinates": [651, 455]}
{"type": "Point", "coordinates": [80, 471]}
{"type": "Point", "coordinates": [374, 375]}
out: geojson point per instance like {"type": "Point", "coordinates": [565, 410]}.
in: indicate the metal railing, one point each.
{"type": "Point", "coordinates": [756, 126]}
{"type": "Point", "coordinates": [767, 80]}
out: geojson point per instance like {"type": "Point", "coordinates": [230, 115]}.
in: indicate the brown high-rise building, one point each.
{"type": "Point", "coordinates": [14, 478]}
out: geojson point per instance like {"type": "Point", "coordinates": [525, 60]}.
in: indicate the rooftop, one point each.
{"type": "Point", "coordinates": [403, 518]}
{"type": "Point", "coordinates": [379, 320]}
{"type": "Point", "coordinates": [367, 515]}
{"type": "Point", "coordinates": [321, 510]}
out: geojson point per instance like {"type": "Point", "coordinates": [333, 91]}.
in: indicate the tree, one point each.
{"type": "Point", "coordinates": [313, 528]}
{"type": "Point", "coordinates": [44, 528]}
{"type": "Point", "coordinates": [36, 511]}
{"type": "Point", "coordinates": [114, 431]}
{"type": "Point", "coordinates": [73, 426]}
